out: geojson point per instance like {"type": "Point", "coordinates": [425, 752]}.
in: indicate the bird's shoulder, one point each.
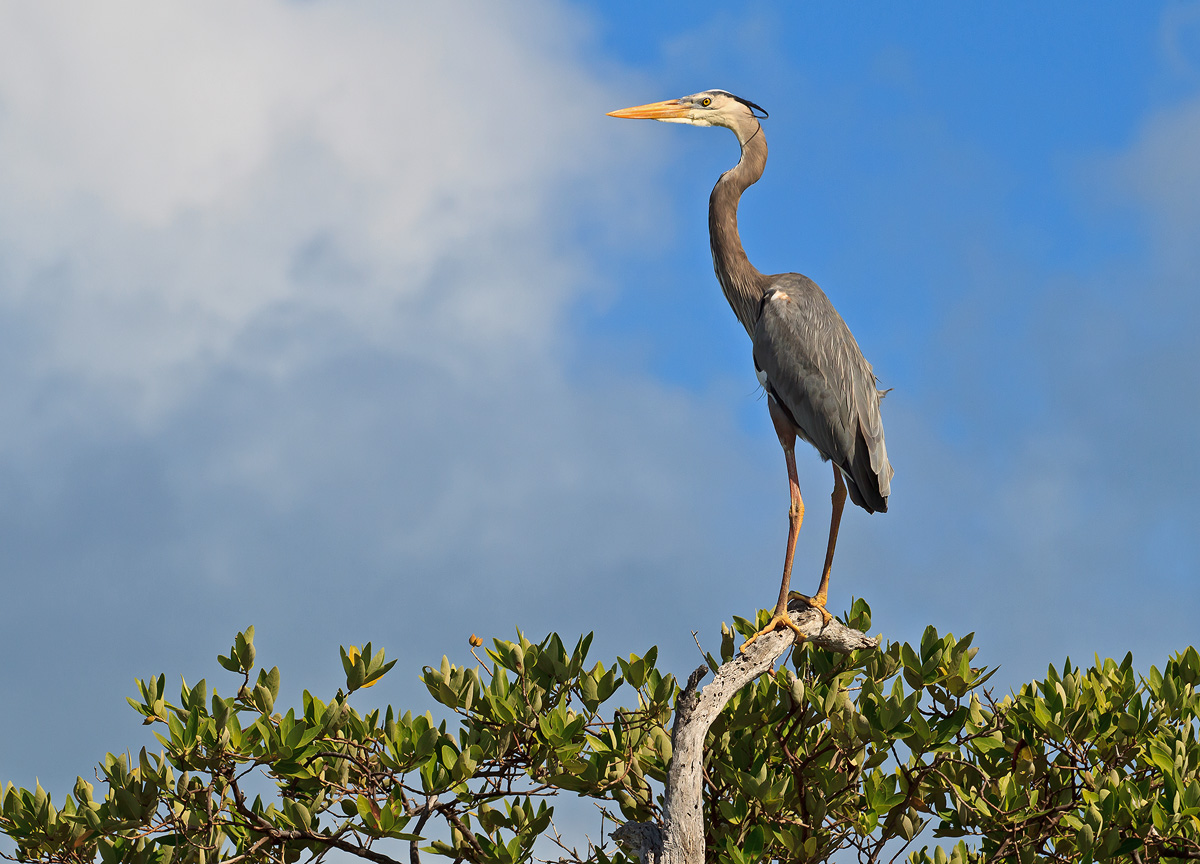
{"type": "Point", "coordinates": [797, 287]}
{"type": "Point", "coordinates": [795, 313]}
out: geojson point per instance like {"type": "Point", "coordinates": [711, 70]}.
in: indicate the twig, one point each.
{"type": "Point", "coordinates": [447, 810]}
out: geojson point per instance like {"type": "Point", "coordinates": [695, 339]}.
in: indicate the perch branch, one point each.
{"type": "Point", "coordinates": [681, 838]}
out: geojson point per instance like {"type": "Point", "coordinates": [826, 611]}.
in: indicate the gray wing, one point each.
{"type": "Point", "coordinates": [814, 369]}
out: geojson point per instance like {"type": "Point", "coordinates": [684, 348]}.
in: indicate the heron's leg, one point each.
{"type": "Point", "coordinates": [787, 438]}
{"type": "Point", "coordinates": [795, 518]}
{"type": "Point", "coordinates": [839, 502]}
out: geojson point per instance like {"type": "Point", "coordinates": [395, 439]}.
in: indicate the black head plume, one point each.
{"type": "Point", "coordinates": [755, 110]}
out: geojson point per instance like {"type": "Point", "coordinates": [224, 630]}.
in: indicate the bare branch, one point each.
{"type": "Point", "coordinates": [426, 810]}
{"type": "Point", "coordinates": [681, 839]}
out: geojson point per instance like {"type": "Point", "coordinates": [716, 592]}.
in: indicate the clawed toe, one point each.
{"type": "Point", "coordinates": [778, 621]}
{"type": "Point", "coordinates": [817, 603]}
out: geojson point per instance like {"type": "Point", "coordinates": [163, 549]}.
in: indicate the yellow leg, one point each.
{"type": "Point", "coordinates": [787, 438]}
{"type": "Point", "coordinates": [839, 502]}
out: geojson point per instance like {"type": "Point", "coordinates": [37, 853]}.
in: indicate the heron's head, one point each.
{"type": "Point", "coordinates": [709, 108]}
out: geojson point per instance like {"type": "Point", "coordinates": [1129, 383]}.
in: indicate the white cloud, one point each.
{"type": "Point", "coordinates": [173, 176]}
{"type": "Point", "coordinates": [1160, 173]}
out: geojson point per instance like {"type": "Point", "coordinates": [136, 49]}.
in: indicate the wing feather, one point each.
{"type": "Point", "coordinates": [815, 370]}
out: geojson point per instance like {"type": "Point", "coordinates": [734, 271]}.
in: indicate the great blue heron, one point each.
{"type": "Point", "coordinates": [819, 386]}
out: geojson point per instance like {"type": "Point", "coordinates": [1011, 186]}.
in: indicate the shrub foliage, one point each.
{"type": "Point", "coordinates": [830, 754]}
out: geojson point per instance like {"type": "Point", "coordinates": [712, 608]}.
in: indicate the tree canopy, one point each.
{"type": "Point", "coordinates": [827, 755]}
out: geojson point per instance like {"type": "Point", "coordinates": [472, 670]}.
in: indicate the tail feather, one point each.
{"type": "Point", "coordinates": [869, 475]}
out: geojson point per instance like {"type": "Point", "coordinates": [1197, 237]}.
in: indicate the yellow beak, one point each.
{"type": "Point", "coordinates": [654, 111]}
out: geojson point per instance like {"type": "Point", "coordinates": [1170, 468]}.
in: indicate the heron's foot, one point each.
{"type": "Point", "coordinates": [817, 603]}
{"type": "Point", "coordinates": [778, 621]}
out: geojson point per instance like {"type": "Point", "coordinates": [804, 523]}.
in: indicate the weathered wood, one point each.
{"type": "Point", "coordinates": [681, 837]}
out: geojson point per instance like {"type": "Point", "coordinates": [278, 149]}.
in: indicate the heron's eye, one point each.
{"type": "Point", "coordinates": [705, 101]}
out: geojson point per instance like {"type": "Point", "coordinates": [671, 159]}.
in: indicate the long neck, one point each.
{"type": "Point", "coordinates": [742, 283]}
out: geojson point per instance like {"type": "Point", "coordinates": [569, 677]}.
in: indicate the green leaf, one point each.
{"type": "Point", "coordinates": [1162, 757]}
{"type": "Point", "coordinates": [1127, 846]}
{"type": "Point", "coordinates": [271, 681]}
{"type": "Point", "coordinates": [752, 847]}
{"type": "Point", "coordinates": [987, 744]}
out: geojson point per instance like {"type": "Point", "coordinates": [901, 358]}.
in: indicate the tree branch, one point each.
{"type": "Point", "coordinates": [414, 854]}
{"type": "Point", "coordinates": [257, 823]}
{"type": "Point", "coordinates": [681, 838]}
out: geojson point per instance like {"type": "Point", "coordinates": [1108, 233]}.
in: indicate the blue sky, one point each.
{"type": "Point", "coordinates": [363, 322]}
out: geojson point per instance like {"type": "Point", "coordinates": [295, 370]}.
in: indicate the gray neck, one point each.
{"type": "Point", "coordinates": [742, 283]}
